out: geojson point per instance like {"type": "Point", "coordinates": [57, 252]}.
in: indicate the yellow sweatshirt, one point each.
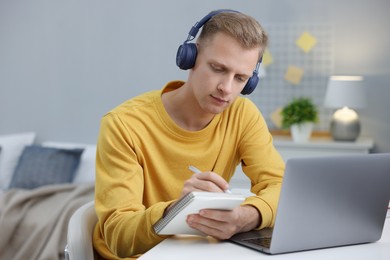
{"type": "Point", "coordinates": [142, 162]}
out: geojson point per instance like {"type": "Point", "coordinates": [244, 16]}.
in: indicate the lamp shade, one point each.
{"type": "Point", "coordinates": [345, 91]}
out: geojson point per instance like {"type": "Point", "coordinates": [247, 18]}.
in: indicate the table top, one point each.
{"type": "Point", "coordinates": [325, 142]}
{"type": "Point", "coordinates": [191, 248]}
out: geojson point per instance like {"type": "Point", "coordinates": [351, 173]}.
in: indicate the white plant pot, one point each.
{"type": "Point", "coordinates": [301, 132]}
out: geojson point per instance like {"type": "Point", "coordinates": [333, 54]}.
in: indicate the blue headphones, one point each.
{"type": "Point", "coordinates": [187, 52]}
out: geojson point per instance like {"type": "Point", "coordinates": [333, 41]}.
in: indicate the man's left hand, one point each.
{"type": "Point", "coordinates": [222, 224]}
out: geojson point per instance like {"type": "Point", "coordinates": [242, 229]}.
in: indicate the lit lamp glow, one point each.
{"type": "Point", "coordinates": [345, 93]}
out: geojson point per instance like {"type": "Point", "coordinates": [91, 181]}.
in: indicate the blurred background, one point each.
{"type": "Point", "coordinates": [64, 64]}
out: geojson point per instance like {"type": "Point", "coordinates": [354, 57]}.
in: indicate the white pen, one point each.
{"type": "Point", "coordinates": [196, 170]}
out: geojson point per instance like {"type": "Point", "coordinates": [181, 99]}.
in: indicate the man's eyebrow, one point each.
{"type": "Point", "coordinates": [222, 65]}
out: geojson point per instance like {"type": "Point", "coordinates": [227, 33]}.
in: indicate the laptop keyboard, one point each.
{"type": "Point", "coordinates": [261, 241]}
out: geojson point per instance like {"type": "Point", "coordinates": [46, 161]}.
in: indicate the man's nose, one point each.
{"type": "Point", "coordinates": [226, 84]}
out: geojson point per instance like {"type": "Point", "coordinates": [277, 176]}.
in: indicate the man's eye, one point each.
{"type": "Point", "coordinates": [216, 68]}
{"type": "Point", "coordinates": [240, 79]}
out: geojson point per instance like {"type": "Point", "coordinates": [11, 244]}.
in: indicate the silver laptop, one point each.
{"type": "Point", "coordinates": [327, 202]}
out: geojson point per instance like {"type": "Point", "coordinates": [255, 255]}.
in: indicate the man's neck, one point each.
{"type": "Point", "coordinates": [184, 110]}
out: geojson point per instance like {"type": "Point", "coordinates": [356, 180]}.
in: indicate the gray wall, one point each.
{"type": "Point", "coordinates": [63, 64]}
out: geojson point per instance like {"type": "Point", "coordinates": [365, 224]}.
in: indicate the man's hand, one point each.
{"type": "Point", "coordinates": [223, 224]}
{"type": "Point", "coordinates": [205, 181]}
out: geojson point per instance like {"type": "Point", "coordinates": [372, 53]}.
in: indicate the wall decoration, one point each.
{"type": "Point", "coordinates": [267, 58]}
{"type": "Point", "coordinates": [276, 117]}
{"type": "Point", "coordinates": [313, 63]}
{"type": "Point", "coordinates": [306, 41]}
{"type": "Point", "coordinates": [293, 74]}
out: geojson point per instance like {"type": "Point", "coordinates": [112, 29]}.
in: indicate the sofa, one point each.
{"type": "Point", "coordinates": [41, 186]}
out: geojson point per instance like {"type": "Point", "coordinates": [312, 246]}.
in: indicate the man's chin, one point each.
{"type": "Point", "coordinates": [217, 110]}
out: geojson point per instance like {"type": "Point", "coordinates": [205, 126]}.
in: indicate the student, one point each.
{"type": "Point", "coordinates": [146, 144]}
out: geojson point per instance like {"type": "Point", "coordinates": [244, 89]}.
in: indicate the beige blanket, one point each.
{"type": "Point", "coordinates": [33, 223]}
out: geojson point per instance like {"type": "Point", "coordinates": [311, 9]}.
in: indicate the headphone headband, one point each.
{"type": "Point", "coordinates": [195, 29]}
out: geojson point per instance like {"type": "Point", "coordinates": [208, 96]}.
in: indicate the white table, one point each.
{"type": "Point", "coordinates": [324, 146]}
{"type": "Point", "coordinates": [195, 248]}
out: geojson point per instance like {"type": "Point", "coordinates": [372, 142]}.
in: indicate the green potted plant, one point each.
{"type": "Point", "coordinates": [299, 116]}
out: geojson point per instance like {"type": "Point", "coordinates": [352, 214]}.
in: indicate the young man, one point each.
{"type": "Point", "coordinates": [146, 144]}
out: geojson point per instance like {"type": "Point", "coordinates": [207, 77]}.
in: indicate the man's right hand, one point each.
{"type": "Point", "coordinates": [204, 181]}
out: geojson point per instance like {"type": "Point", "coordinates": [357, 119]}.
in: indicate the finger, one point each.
{"type": "Point", "coordinates": [211, 180]}
{"type": "Point", "coordinates": [198, 184]}
{"type": "Point", "coordinates": [229, 216]}
{"type": "Point", "coordinates": [217, 229]}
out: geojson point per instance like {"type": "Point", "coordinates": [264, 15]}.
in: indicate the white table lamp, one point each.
{"type": "Point", "coordinates": [345, 93]}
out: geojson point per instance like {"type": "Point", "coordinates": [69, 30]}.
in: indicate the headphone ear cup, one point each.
{"type": "Point", "coordinates": [186, 56]}
{"type": "Point", "coordinates": [250, 84]}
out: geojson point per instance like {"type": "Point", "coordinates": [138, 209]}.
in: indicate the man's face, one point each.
{"type": "Point", "coordinates": [220, 73]}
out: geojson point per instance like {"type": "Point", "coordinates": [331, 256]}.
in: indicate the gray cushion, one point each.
{"type": "Point", "coordinates": [40, 166]}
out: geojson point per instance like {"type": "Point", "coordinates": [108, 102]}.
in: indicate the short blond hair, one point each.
{"type": "Point", "coordinates": [244, 28]}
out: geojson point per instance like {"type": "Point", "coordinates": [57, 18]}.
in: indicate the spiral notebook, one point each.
{"type": "Point", "coordinates": [174, 221]}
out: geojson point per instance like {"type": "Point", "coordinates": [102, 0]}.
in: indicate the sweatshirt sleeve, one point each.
{"type": "Point", "coordinates": [262, 163]}
{"type": "Point", "coordinates": [124, 224]}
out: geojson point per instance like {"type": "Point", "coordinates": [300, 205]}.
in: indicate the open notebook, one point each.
{"type": "Point", "coordinates": [174, 221]}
